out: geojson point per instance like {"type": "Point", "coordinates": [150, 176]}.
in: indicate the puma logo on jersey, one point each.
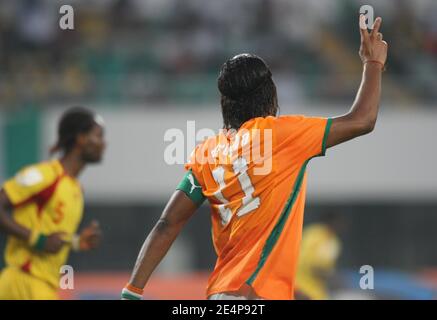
{"type": "Point", "coordinates": [193, 185]}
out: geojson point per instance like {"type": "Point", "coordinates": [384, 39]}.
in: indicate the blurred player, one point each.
{"type": "Point", "coordinates": [47, 204]}
{"type": "Point", "coordinates": [257, 208]}
{"type": "Point", "coordinates": [319, 251]}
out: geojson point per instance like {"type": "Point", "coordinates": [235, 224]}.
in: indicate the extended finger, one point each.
{"type": "Point", "coordinates": [376, 27]}
{"type": "Point", "coordinates": [363, 28]}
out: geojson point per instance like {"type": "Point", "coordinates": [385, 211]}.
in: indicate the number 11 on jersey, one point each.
{"type": "Point", "coordinates": [249, 203]}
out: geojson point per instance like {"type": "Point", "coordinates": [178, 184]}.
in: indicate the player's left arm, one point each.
{"type": "Point", "coordinates": [178, 211]}
{"type": "Point", "coordinates": [361, 119]}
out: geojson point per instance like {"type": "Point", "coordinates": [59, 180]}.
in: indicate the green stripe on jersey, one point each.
{"type": "Point", "coordinates": [276, 232]}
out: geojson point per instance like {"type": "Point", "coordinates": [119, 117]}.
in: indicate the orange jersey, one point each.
{"type": "Point", "coordinates": [255, 182]}
{"type": "Point", "coordinates": [48, 200]}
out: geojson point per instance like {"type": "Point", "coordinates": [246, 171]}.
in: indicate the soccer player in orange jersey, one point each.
{"type": "Point", "coordinates": [47, 206]}
{"type": "Point", "coordinates": [253, 176]}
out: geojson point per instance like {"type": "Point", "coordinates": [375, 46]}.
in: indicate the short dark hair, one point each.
{"type": "Point", "coordinates": [247, 90]}
{"type": "Point", "coordinates": [73, 122]}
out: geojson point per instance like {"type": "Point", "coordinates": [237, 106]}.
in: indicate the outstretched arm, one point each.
{"type": "Point", "coordinates": [362, 117]}
{"type": "Point", "coordinates": [177, 212]}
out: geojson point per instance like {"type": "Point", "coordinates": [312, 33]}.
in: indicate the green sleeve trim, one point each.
{"type": "Point", "coordinates": [40, 243]}
{"type": "Point", "coordinates": [191, 187]}
{"type": "Point", "coordinates": [325, 136]}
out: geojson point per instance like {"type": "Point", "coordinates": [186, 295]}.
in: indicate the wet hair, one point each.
{"type": "Point", "coordinates": [74, 121]}
{"type": "Point", "coordinates": [247, 90]}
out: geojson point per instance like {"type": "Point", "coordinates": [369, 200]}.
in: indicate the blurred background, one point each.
{"type": "Point", "coordinates": [148, 66]}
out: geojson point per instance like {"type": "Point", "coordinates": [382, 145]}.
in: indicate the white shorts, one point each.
{"type": "Point", "coordinates": [226, 296]}
{"type": "Point", "coordinates": [245, 293]}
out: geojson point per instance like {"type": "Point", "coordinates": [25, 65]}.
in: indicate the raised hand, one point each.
{"type": "Point", "coordinates": [373, 48]}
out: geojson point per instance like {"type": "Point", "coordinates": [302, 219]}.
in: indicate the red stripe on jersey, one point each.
{"type": "Point", "coordinates": [26, 266]}
{"type": "Point", "coordinates": [44, 196]}
{"type": "Point", "coordinates": [41, 198]}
